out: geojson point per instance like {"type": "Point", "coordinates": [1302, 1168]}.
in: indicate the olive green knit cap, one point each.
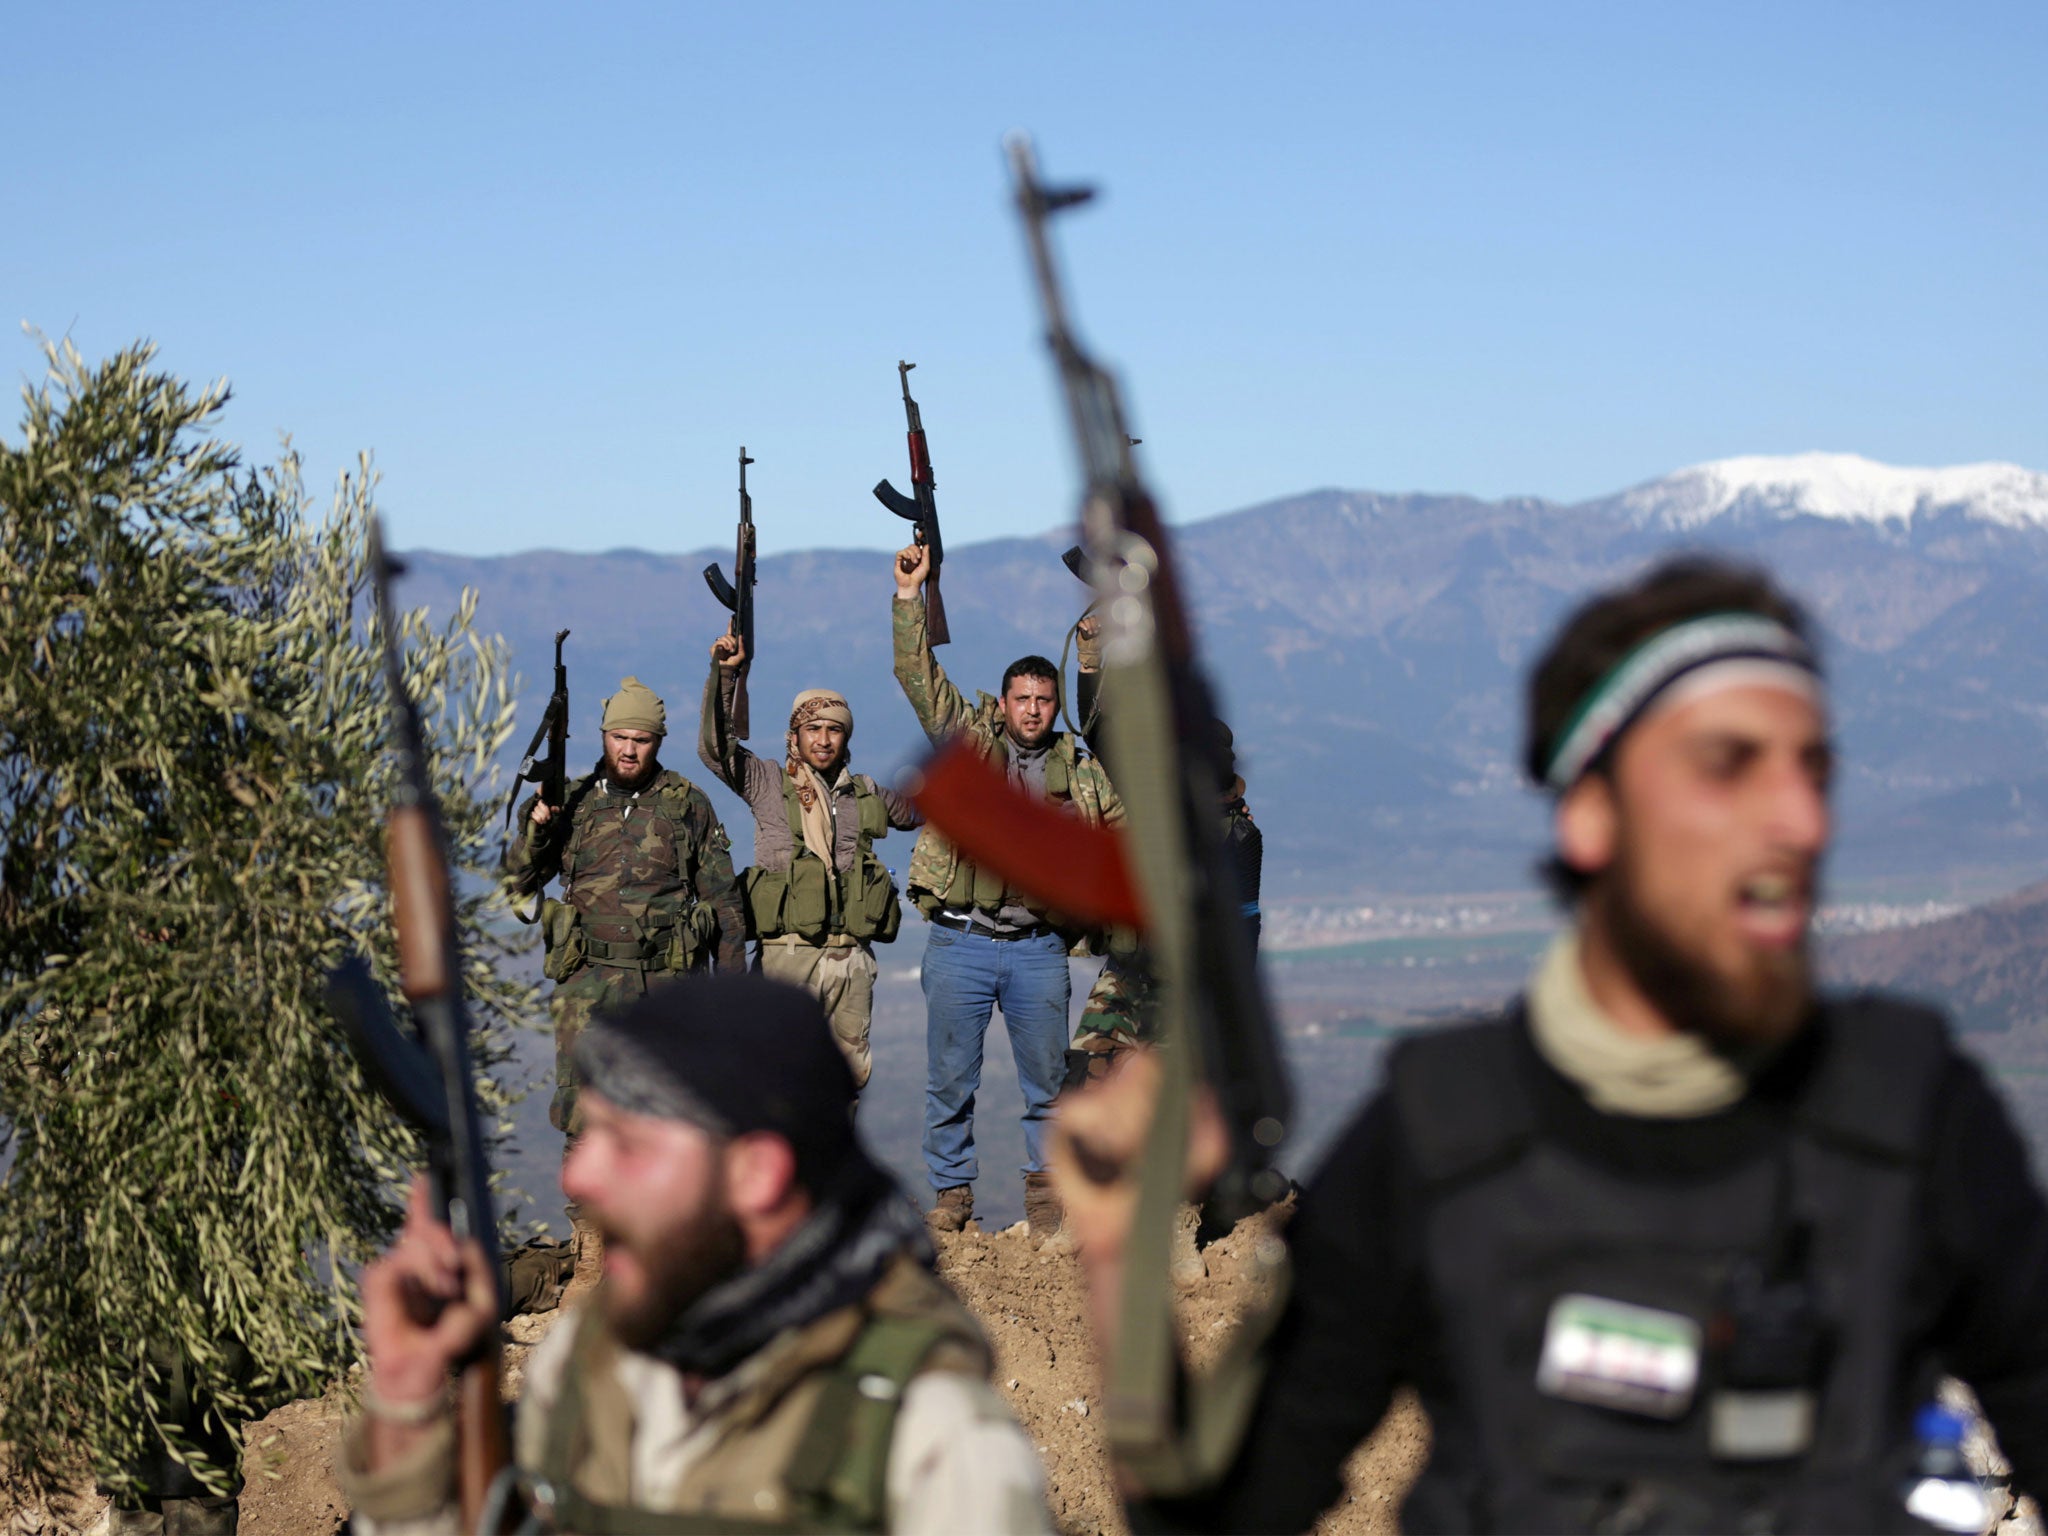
{"type": "Point", "coordinates": [635, 707]}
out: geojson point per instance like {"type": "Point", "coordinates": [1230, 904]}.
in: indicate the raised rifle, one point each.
{"type": "Point", "coordinates": [1166, 871]}
{"type": "Point", "coordinates": [427, 1074]}
{"type": "Point", "coordinates": [548, 775]}
{"type": "Point", "coordinates": [921, 508]}
{"type": "Point", "coordinates": [737, 596]}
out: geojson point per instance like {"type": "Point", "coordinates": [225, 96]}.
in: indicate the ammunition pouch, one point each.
{"type": "Point", "coordinates": [561, 927]}
{"type": "Point", "coordinates": [809, 901]}
{"type": "Point", "coordinates": [764, 893]}
{"type": "Point", "coordinates": [813, 901]}
{"type": "Point", "coordinates": [690, 942]}
{"type": "Point", "coordinates": [868, 901]}
{"type": "Point", "coordinates": [784, 901]}
{"type": "Point", "coordinates": [867, 893]}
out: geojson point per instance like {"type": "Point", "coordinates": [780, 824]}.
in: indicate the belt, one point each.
{"type": "Point", "coordinates": [968, 925]}
{"type": "Point", "coordinates": [629, 954]}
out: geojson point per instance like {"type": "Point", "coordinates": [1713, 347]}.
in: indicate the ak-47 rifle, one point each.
{"type": "Point", "coordinates": [737, 595]}
{"type": "Point", "coordinates": [548, 775]}
{"type": "Point", "coordinates": [921, 508]}
{"type": "Point", "coordinates": [427, 1075]}
{"type": "Point", "coordinates": [1166, 872]}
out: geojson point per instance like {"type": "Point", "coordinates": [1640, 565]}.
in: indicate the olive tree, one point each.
{"type": "Point", "coordinates": [193, 771]}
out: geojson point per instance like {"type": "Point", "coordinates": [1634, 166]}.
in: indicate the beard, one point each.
{"type": "Point", "coordinates": [680, 1263]}
{"type": "Point", "coordinates": [612, 774]}
{"type": "Point", "coordinates": [1761, 1005]}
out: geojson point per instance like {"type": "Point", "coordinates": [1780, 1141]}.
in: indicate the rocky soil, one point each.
{"type": "Point", "coordinates": [1029, 1299]}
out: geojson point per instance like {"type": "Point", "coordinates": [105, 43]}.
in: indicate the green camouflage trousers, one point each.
{"type": "Point", "coordinates": [1124, 1001]}
{"type": "Point", "coordinates": [843, 978]}
{"type": "Point", "coordinates": [591, 990]}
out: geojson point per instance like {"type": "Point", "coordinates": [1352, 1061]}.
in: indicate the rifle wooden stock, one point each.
{"type": "Point", "coordinates": [428, 1074]}
{"type": "Point", "coordinates": [483, 1444]}
{"type": "Point", "coordinates": [419, 903]}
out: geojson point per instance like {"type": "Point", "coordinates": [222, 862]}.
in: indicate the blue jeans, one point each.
{"type": "Point", "coordinates": [966, 975]}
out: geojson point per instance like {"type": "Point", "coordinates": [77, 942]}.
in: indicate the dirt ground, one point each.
{"type": "Point", "coordinates": [1028, 1297]}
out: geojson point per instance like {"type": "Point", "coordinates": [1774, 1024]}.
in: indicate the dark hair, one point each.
{"type": "Point", "coordinates": [1031, 666]}
{"type": "Point", "coordinates": [1606, 627]}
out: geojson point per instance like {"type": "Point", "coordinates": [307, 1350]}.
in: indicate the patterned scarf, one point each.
{"type": "Point", "coordinates": [812, 788]}
{"type": "Point", "coordinates": [861, 1223]}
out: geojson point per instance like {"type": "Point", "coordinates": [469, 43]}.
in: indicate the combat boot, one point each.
{"type": "Point", "coordinates": [1042, 1207]}
{"type": "Point", "coordinates": [952, 1210]}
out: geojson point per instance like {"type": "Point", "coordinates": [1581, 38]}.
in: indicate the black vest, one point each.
{"type": "Point", "coordinates": [1512, 1222]}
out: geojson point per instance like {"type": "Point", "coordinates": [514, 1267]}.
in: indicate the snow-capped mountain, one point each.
{"type": "Point", "coordinates": [1372, 649]}
{"type": "Point", "coordinates": [1836, 485]}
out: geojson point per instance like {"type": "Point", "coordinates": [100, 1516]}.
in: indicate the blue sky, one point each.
{"type": "Point", "coordinates": [553, 264]}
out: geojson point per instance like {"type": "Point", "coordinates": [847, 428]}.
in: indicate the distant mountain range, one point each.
{"type": "Point", "coordinates": [1370, 648]}
{"type": "Point", "coordinates": [1988, 966]}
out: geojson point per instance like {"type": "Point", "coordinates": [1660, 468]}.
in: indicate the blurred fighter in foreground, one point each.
{"type": "Point", "coordinates": [1675, 1244]}
{"type": "Point", "coordinates": [769, 1348]}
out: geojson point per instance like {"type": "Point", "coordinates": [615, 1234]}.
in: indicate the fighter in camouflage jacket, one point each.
{"type": "Point", "coordinates": [647, 884]}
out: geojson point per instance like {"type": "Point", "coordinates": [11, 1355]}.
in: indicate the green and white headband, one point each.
{"type": "Point", "coordinates": [1676, 665]}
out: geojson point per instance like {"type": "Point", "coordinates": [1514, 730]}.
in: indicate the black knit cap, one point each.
{"type": "Point", "coordinates": [729, 1053]}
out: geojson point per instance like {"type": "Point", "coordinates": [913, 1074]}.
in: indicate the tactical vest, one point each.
{"type": "Point", "coordinates": [672, 932]}
{"type": "Point", "coordinates": [814, 901]}
{"type": "Point", "coordinates": [810, 1454]}
{"type": "Point", "coordinates": [1526, 1242]}
{"type": "Point", "coordinates": [982, 889]}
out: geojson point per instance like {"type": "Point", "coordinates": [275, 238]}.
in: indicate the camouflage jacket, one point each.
{"type": "Point", "coordinates": [938, 875]}
{"type": "Point", "coordinates": [636, 866]}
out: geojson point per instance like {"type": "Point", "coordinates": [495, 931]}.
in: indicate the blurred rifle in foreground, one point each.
{"type": "Point", "coordinates": [922, 508]}
{"type": "Point", "coordinates": [737, 597]}
{"type": "Point", "coordinates": [427, 1075]}
{"type": "Point", "coordinates": [1166, 871]}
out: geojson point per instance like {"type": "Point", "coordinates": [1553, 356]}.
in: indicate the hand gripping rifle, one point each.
{"type": "Point", "coordinates": [737, 595]}
{"type": "Point", "coordinates": [921, 508]}
{"type": "Point", "coordinates": [548, 775]}
{"type": "Point", "coordinates": [1166, 869]}
{"type": "Point", "coordinates": [427, 1074]}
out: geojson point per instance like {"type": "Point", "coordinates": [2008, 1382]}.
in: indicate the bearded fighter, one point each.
{"type": "Point", "coordinates": [1676, 1243]}
{"type": "Point", "coordinates": [769, 1349]}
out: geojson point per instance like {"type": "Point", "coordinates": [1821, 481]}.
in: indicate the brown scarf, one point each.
{"type": "Point", "coordinates": [811, 787]}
